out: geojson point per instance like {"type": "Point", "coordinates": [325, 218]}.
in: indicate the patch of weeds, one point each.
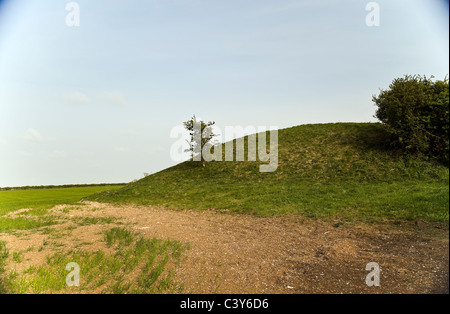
{"type": "Point", "coordinates": [35, 212]}
{"type": "Point", "coordinates": [53, 233]}
{"type": "Point", "coordinates": [17, 257]}
{"type": "Point", "coordinates": [121, 286]}
{"type": "Point", "coordinates": [24, 223]}
{"type": "Point", "coordinates": [87, 221]}
{"type": "Point", "coordinates": [4, 253]}
{"type": "Point", "coordinates": [120, 235]}
{"type": "Point", "coordinates": [46, 230]}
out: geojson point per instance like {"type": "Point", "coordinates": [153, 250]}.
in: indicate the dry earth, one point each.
{"type": "Point", "coordinates": [232, 253]}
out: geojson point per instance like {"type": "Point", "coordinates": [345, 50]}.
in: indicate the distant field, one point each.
{"type": "Point", "coordinates": [45, 198]}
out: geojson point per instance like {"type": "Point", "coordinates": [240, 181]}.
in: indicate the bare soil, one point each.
{"type": "Point", "coordinates": [232, 253]}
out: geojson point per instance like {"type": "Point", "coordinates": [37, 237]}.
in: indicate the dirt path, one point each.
{"type": "Point", "coordinates": [232, 253]}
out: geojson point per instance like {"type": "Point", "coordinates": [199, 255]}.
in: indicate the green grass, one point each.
{"type": "Point", "coordinates": [118, 235]}
{"type": "Point", "coordinates": [18, 257]}
{"type": "Point", "coordinates": [137, 265]}
{"type": "Point", "coordinates": [20, 223]}
{"type": "Point", "coordinates": [40, 200]}
{"type": "Point", "coordinates": [86, 221]}
{"type": "Point", "coordinates": [330, 171]}
{"type": "Point", "coordinates": [45, 198]}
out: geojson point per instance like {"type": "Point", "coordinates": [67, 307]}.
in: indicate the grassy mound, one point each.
{"type": "Point", "coordinates": [338, 171]}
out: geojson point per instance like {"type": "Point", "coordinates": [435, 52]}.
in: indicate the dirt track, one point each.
{"type": "Point", "coordinates": [232, 253]}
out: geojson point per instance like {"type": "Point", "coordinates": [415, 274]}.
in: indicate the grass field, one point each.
{"type": "Point", "coordinates": [330, 171]}
{"type": "Point", "coordinates": [40, 200]}
{"type": "Point", "coordinates": [45, 198]}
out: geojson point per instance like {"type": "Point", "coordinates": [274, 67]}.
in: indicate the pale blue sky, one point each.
{"type": "Point", "coordinates": [96, 103]}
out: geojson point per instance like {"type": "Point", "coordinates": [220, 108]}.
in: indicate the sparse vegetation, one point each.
{"type": "Point", "coordinates": [86, 221]}
{"type": "Point", "coordinates": [118, 235]}
{"type": "Point", "coordinates": [4, 253]}
{"type": "Point", "coordinates": [18, 257]}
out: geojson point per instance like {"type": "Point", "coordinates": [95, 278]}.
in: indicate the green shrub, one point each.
{"type": "Point", "coordinates": [415, 112]}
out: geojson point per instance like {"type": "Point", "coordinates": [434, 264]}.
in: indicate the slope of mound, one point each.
{"type": "Point", "coordinates": [340, 171]}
